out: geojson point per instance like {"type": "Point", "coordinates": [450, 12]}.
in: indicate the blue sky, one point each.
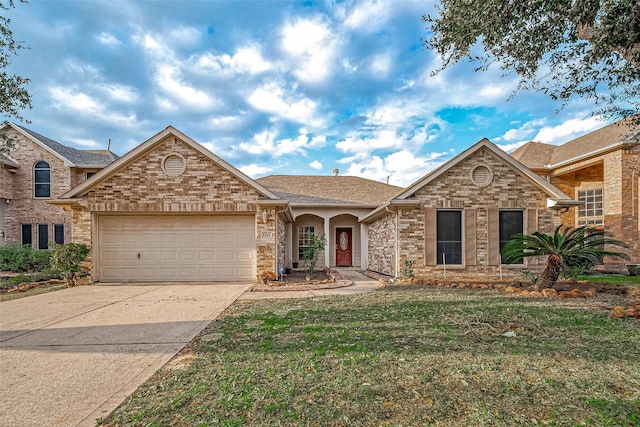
{"type": "Point", "coordinates": [273, 87]}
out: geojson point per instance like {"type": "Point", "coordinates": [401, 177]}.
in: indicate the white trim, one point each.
{"type": "Point", "coordinates": [146, 146]}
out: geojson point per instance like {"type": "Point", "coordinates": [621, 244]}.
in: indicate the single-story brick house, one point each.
{"type": "Point", "coordinates": [170, 210]}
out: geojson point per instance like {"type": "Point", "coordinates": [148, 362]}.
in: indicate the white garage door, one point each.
{"type": "Point", "coordinates": [176, 248]}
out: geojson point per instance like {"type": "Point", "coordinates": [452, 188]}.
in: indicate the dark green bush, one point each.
{"type": "Point", "coordinates": [23, 259]}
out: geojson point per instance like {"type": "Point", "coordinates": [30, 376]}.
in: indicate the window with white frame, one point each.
{"type": "Point", "coordinates": [592, 211]}
{"type": "Point", "coordinates": [304, 239]}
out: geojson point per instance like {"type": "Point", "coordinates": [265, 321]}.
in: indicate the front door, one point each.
{"type": "Point", "coordinates": [343, 247]}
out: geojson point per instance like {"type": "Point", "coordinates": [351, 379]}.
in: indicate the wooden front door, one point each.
{"type": "Point", "coordinates": [343, 247]}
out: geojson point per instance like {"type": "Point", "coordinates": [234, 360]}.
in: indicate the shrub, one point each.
{"type": "Point", "coordinates": [66, 259]}
{"type": "Point", "coordinates": [406, 271]}
{"type": "Point", "coordinates": [23, 258]}
{"type": "Point", "coordinates": [312, 251]}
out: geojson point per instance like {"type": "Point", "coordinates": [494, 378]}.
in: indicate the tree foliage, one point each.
{"type": "Point", "coordinates": [13, 94]}
{"type": "Point", "coordinates": [566, 246]}
{"type": "Point", "coordinates": [65, 260]}
{"type": "Point", "coordinates": [565, 48]}
{"type": "Point", "coordinates": [311, 252]}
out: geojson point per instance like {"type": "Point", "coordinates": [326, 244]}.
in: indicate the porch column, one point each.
{"type": "Point", "coordinates": [364, 246]}
{"type": "Point", "coordinates": [288, 247]}
{"type": "Point", "coordinates": [328, 248]}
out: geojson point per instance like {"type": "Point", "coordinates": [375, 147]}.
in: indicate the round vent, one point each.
{"type": "Point", "coordinates": [173, 165]}
{"type": "Point", "coordinates": [481, 176]}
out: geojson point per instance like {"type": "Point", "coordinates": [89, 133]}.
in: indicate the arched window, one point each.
{"type": "Point", "coordinates": [42, 179]}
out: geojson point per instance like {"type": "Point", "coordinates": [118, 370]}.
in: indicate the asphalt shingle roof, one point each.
{"type": "Point", "coordinates": [536, 155]}
{"type": "Point", "coordinates": [98, 158]}
{"type": "Point", "coordinates": [329, 190]}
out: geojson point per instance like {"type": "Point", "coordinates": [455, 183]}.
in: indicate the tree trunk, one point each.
{"type": "Point", "coordinates": [550, 275]}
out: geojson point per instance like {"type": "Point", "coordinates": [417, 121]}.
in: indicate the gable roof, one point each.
{"type": "Point", "coordinates": [147, 146]}
{"type": "Point", "coordinates": [537, 155]}
{"type": "Point", "coordinates": [557, 198]}
{"type": "Point", "coordinates": [71, 156]}
{"type": "Point", "coordinates": [314, 190]}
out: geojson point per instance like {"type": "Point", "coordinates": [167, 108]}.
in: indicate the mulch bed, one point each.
{"type": "Point", "coordinates": [297, 281]}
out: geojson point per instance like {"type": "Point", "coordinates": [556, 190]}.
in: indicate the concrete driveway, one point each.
{"type": "Point", "coordinates": [71, 356]}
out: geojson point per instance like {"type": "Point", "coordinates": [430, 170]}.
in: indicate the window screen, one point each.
{"type": "Point", "coordinates": [449, 237]}
{"type": "Point", "coordinates": [58, 233]}
{"type": "Point", "coordinates": [27, 238]}
{"type": "Point", "coordinates": [511, 222]}
{"type": "Point", "coordinates": [43, 236]}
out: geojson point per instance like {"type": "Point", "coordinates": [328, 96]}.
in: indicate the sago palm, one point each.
{"type": "Point", "coordinates": [578, 244]}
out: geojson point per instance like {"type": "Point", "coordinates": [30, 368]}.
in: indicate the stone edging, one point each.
{"type": "Point", "coordinates": [339, 282]}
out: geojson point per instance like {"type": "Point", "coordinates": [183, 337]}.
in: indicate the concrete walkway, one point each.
{"type": "Point", "coordinates": [71, 356]}
{"type": "Point", "coordinates": [361, 284]}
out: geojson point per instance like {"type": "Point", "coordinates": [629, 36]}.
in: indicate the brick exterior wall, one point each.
{"type": "Point", "coordinates": [23, 207]}
{"type": "Point", "coordinates": [617, 174]}
{"type": "Point", "coordinates": [454, 190]}
{"type": "Point", "coordinates": [143, 187]}
{"type": "Point", "coordinates": [382, 245]}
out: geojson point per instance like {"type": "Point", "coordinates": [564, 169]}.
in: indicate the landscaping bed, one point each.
{"type": "Point", "coordinates": [299, 280]}
{"type": "Point", "coordinates": [403, 355]}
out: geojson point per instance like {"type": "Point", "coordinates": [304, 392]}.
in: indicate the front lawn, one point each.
{"type": "Point", "coordinates": [614, 280]}
{"type": "Point", "coordinates": [402, 356]}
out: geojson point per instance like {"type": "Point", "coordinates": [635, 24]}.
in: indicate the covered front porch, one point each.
{"type": "Point", "coordinates": [346, 238]}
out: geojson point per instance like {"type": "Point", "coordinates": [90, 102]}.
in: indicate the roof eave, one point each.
{"type": "Point", "coordinates": [18, 129]}
{"type": "Point", "coordinates": [594, 153]}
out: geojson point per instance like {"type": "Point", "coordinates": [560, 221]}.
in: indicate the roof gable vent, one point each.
{"type": "Point", "coordinates": [481, 176]}
{"type": "Point", "coordinates": [173, 165]}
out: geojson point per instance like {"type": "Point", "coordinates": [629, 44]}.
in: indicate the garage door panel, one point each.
{"type": "Point", "coordinates": [175, 248]}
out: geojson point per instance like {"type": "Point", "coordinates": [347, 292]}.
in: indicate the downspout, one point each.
{"type": "Point", "coordinates": [397, 246]}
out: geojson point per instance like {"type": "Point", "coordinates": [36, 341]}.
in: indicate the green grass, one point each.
{"type": "Point", "coordinates": [614, 280]}
{"type": "Point", "coordinates": [403, 356]}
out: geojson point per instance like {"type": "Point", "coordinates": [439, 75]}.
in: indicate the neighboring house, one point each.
{"type": "Point", "coordinates": [454, 221]}
{"type": "Point", "coordinates": [37, 170]}
{"type": "Point", "coordinates": [170, 210]}
{"type": "Point", "coordinates": [602, 170]}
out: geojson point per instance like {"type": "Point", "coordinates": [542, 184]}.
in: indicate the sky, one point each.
{"type": "Point", "coordinates": [272, 87]}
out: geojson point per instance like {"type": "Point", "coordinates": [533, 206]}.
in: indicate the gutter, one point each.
{"type": "Point", "coordinates": [617, 145]}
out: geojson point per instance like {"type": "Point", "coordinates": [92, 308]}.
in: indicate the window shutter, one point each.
{"type": "Point", "coordinates": [470, 237]}
{"type": "Point", "coordinates": [532, 226]}
{"type": "Point", "coordinates": [430, 230]}
{"type": "Point", "coordinates": [493, 236]}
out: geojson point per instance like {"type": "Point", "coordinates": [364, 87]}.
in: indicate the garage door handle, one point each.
{"type": "Point", "coordinates": [138, 255]}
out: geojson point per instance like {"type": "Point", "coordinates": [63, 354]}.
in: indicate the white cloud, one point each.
{"type": "Point", "coordinates": [121, 93]}
{"type": "Point", "coordinates": [569, 130]}
{"type": "Point", "coordinates": [312, 46]}
{"type": "Point", "coordinates": [380, 66]}
{"type": "Point", "coordinates": [83, 105]}
{"type": "Point", "coordinates": [169, 80]}
{"type": "Point", "coordinates": [402, 167]}
{"type": "Point", "coordinates": [510, 147]}
{"type": "Point", "coordinates": [247, 59]}
{"type": "Point", "coordinates": [183, 36]}
{"type": "Point", "coordinates": [315, 165]}
{"type": "Point", "coordinates": [254, 170]}
{"type": "Point", "coordinates": [226, 122]}
{"type": "Point", "coordinates": [264, 143]}
{"type": "Point", "coordinates": [367, 16]}
{"type": "Point", "coordinates": [271, 98]}
{"type": "Point", "coordinates": [108, 39]}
